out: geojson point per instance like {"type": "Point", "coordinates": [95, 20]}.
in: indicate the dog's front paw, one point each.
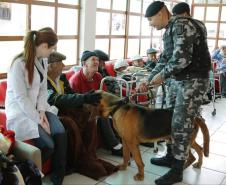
{"type": "Point", "coordinates": [138, 177]}
{"type": "Point", "coordinates": [197, 165]}
{"type": "Point", "coordinates": [122, 167]}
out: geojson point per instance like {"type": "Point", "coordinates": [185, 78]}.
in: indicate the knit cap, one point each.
{"type": "Point", "coordinates": [101, 55]}
{"type": "Point", "coordinates": [87, 54]}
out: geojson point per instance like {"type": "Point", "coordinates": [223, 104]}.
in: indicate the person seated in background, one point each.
{"type": "Point", "coordinates": [137, 64]}
{"type": "Point", "coordinates": [120, 67]}
{"type": "Point", "coordinates": [112, 85]}
{"type": "Point", "coordinates": [138, 61]}
{"type": "Point", "coordinates": [81, 153]}
{"type": "Point", "coordinates": [87, 79]}
{"type": "Point", "coordinates": [219, 55]}
{"type": "Point", "coordinates": [124, 71]}
{"type": "Point", "coordinates": [152, 59]}
{"type": "Point", "coordinates": [27, 110]}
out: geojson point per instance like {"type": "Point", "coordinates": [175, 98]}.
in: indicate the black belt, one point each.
{"type": "Point", "coordinates": [190, 76]}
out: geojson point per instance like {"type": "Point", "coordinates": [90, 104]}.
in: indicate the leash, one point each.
{"type": "Point", "coordinates": [150, 89]}
{"type": "Point", "coordinates": [164, 95]}
{"type": "Point", "coordinates": [118, 104]}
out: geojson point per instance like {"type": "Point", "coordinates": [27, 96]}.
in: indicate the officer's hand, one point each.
{"type": "Point", "coordinates": [156, 80]}
{"type": "Point", "coordinates": [92, 98]}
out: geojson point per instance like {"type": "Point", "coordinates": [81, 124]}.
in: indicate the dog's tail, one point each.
{"type": "Point", "coordinates": [206, 136]}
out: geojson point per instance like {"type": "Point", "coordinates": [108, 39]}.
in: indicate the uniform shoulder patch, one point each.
{"type": "Point", "coordinates": [179, 29]}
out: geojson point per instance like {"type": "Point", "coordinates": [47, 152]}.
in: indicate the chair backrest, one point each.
{"type": "Point", "coordinates": [69, 74]}
{"type": "Point", "coordinates": [3, 87]}
{"type": "Point", "coordinates": [2, 118]}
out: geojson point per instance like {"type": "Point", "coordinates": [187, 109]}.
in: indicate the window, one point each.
{"type": "Point", "coordinates": [14, 24]}
{"type": "Point", "coordinates": [199, 13]}
{"type": "Point", "coordinates": [111, 27]}
{"type": "Point", "coordinates": [44, 19]}
{"type": "Point", "coordinates": [123, 21]}
{"type": "Point", "coordinates": [119, 52]}
{"type": "Point", "coordinates": [213, 14]}
{"type": "Point", "coordinates": [118, 24]}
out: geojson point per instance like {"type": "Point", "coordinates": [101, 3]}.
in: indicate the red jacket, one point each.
{"type": "Point", "coordinates": [80, 84]}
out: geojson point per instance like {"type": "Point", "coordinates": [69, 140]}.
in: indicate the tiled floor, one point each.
{"type": "Point", "coordinates": [213, 171]}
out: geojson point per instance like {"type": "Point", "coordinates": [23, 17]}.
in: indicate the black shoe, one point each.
{"type": "Point", "coordinates": [162, 161]}
{"type": "Point", "coordinates": [117, 152]}
{"type": "Point", "coordinates": [165, 160]}
{"type": "Point", "coordinates": [174, 175]}
{"type": "Point", "coordinates": [151, 145]}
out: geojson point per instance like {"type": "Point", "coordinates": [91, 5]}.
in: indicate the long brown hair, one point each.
{"type": "Point", "coordinates": [31, 41]}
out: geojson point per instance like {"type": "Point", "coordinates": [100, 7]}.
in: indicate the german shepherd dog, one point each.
{"type": "Point", "coordinates": [136, 124]}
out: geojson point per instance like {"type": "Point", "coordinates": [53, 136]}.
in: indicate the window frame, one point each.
{"type": "Point", "coordinates": [54, 4]}
{"type": "Point", "coordinates": [218, 21]}
{"type": "Point", "coordinates": [126, 36]}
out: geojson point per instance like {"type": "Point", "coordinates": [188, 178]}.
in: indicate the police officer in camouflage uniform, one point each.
{"type": "Point", "coordinates": [186, 61]}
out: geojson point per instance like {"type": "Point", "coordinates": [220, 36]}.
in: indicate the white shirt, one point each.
{"type": "Point", "coordinates": [24, 101]}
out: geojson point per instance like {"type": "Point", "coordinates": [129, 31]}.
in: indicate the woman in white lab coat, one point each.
{"type": "Point", "coordinates": [27, 110]}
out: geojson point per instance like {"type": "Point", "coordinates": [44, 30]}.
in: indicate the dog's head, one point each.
{"type": "Point", "coordinates": [108, 103]}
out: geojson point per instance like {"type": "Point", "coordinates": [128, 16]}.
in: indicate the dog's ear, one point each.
{"type": "Point", "coordinates": [108, 103]}
{"type": "Point", "coordinates": [120, 102]}
{"type": "Point", "coordinates": [92, 111]}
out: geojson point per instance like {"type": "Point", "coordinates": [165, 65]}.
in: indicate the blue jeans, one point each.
{"type": "Point", "coordinates": [54, 145]}
{"type": "Point", "coordinates": [109, 138]}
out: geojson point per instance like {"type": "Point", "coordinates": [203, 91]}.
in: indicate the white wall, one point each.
{"type": "Point", "coordinates": [87, 25]}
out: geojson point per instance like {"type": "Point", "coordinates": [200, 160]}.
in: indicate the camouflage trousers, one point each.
{"type": "Point", "coordinates": [171, 91]}
{"type": "Point", "coordinates": [186, 97]}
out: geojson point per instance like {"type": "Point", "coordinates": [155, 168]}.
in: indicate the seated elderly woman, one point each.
{"type": "Point", "coordinates": [219, 55]}
{"type": "Point", "coordinates": [138, 61]}
{"type": "Point", "coordinates": [120, 67]}
{"type": "Point", "coordinates": [152, 59]}
{"type": "Point", "coordinates": [138, 64]}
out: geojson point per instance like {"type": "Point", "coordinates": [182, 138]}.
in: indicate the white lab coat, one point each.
{"type": "Point", "coordinates": [23, 101]}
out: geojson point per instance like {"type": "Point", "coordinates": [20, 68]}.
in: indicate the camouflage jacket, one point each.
{"type": "Point", "coordinates": [181, 39]}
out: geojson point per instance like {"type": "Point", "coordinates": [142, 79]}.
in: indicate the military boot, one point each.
{"type": "Point", "coordinates": [165, 160]}
{"type": "Point", "coordinates": [174, 175]}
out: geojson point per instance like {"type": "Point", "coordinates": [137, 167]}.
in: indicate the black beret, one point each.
{"type": "Point", "coordinates": [101, 55]}
{"type": "Point", "coordinates": [181, 8]}
{"type": "Point", "coordinates": [151, 51]}
{"type": "Point", "coordinates": [154, 8]}
{"type": "Point", "coordinates": [87, 54]}
{"type": "Point", "coordinates": [56, 57]}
